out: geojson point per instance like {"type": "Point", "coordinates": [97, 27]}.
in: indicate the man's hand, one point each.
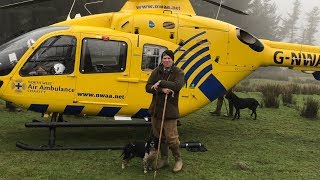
{"type": "Point", "coordinates": [155, 86]}
{"type": "Point", "coordinates": [167, 91]}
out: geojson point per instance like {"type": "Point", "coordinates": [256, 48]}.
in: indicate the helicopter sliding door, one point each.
{"type": "Point", "coordinates": [102, 66]}
{"type": "Point", "coordinates": [46, 82]}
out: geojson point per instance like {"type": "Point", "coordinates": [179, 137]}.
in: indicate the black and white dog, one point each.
{"type": "Point", "coordinates": [145, 150]}
{"type": "Point", "coordinates": [242, 103]}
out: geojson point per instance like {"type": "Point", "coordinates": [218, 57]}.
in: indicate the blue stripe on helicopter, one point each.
{"type": "Point", "coordinates": [212, 88]}
{"type": "Point", "coordinates": [187, 41]}
{"type": "Point", "coordinates": [142, 113]}
{"type": "Point", "coordinates": [200, 75]}
{"type": "Point", "coordinates": [73, 110]}
{"type": "Point", "coordinates": [109, 111]}
{"type": "Point", "coordinates": [190, 49]}
{"type": "Point", "coordinates": [196, 66]}
{"type": "Point", "coordinates": [203, 50]}
{"type": "Point", "coordinates": [42, 108]}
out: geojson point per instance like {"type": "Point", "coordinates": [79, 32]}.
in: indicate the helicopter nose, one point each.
{"type": "Point", "coordinates": [2, 85]}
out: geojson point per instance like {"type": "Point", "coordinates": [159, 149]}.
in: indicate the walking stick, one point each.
{"type": "Point", "coordinates": [160, 135]}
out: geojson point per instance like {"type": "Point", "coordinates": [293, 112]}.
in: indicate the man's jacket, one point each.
{"type": "Point", "coordinates": [174, 80]}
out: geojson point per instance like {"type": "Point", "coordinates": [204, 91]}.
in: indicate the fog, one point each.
{"type": "Point", "coordinates": [285, 6]}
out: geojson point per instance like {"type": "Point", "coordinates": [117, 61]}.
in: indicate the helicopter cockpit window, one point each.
{"type": "Point", "coordinates": [54, 57]}
{"type": "Point", "coordinates": [151, 56]}
{"type": "Point", "coordinates": [100, 56]}
{"type": "Point", "coordinates": [12, 51]}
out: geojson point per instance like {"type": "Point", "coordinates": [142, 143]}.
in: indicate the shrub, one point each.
{"type": "Point", "coordinates": [287, 93]}
{"type": "Point", "coordinates": [310, 81]}
{"type": "Point", "coordinates": [310, 108]}
{"type": "Point", "coordinates": [245, 83]}
{"type": "Point", "coordinates": [298, 80]}
{"type": "Point", "coordinates": [270, 93]}
{"type": "Point", "coordinates": [296, 89]}
{"type": "Point", "coordinates": [287, 98]}
{"type": "Point", "coordinates": [310, 89]}
{"type": "Point", "coordinates": [243, 88]}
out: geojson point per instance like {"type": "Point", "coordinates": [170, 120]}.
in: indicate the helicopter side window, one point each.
{"type": "Point", "coordinates": [55, 56]}
{"type": "Point", "coordinates": [151, 56]}
{"type": "Point", "coordinates": [100, 56]}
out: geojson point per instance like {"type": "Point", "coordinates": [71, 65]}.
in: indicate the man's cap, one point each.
{"type": "Point", "coordinates": [168, 53]}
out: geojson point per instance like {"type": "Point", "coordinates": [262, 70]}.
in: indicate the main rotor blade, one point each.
{"type": "Point", "coordinates": [21, 3]}
{"type": "Point", "coordinates": [227, 7]}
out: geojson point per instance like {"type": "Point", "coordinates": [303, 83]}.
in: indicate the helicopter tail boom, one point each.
{"type": "Point", "coordinates": [294, 56]}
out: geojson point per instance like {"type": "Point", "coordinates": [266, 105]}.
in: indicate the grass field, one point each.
{"type": "Point", "coordinates": [278, 145]}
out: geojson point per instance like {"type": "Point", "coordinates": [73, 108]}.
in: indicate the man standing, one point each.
{"type": "Point", "coordinates": [166, 79]}
{"type": "Point", "coordinates": [217, 112]}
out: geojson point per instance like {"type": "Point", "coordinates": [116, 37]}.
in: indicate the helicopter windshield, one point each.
{"type": "Point", "coordinates": [12, 51]}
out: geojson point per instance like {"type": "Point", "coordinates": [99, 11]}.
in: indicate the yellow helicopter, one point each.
{"type": "Point", "coordinates": [98, 65]}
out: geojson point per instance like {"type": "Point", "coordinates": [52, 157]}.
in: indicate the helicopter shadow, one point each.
{"type": "Point", "coordinates": [87, 136]}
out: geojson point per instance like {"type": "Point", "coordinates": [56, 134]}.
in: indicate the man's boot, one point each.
{"type": "Point", "coordinates": [218, 108]}
{"type": "Point", "coordinates": [177, 157]}
{"type": "Point", "coordinates": [164, 161]}
{"type": "Point", "coordinates": [178, 164]}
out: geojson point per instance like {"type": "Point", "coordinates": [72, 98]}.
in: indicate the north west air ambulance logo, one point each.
{"type": "Point", "coordinates": [18, 86]}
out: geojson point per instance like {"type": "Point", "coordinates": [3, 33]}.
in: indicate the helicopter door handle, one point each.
{"type": "Point", "coordinates": [71, 75]}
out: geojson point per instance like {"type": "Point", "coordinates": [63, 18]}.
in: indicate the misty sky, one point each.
{"type": "Point", "coordinates": [285, 6]}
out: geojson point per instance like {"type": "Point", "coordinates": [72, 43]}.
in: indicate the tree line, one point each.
{"type": "Point", "coordinates": [264, 21]}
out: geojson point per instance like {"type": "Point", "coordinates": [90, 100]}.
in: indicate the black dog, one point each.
{"type": "Point", "coordinates": [242, 103]}
{"type": "Point", "coordinates": [146, 150]}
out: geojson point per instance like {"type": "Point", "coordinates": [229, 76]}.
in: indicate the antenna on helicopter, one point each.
{"type": "Point", "coordinates": [219, 9]}
{"type": "Point", "coordinates": [68, 17]}
{"type": "Point", "coordinates": [21, 3]}
{"type": "Point", "coordinates": [85, 5]}
{"type": "Point", "coordinates": [226, 7]}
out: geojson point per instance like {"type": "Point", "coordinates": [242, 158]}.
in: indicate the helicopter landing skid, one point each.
{"type": "Point", "coordinates": [58, 147]}
{"type": "Point", "coordinates": [190, 146]}
{"type": "Point", "coordinates": [52, 134]}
